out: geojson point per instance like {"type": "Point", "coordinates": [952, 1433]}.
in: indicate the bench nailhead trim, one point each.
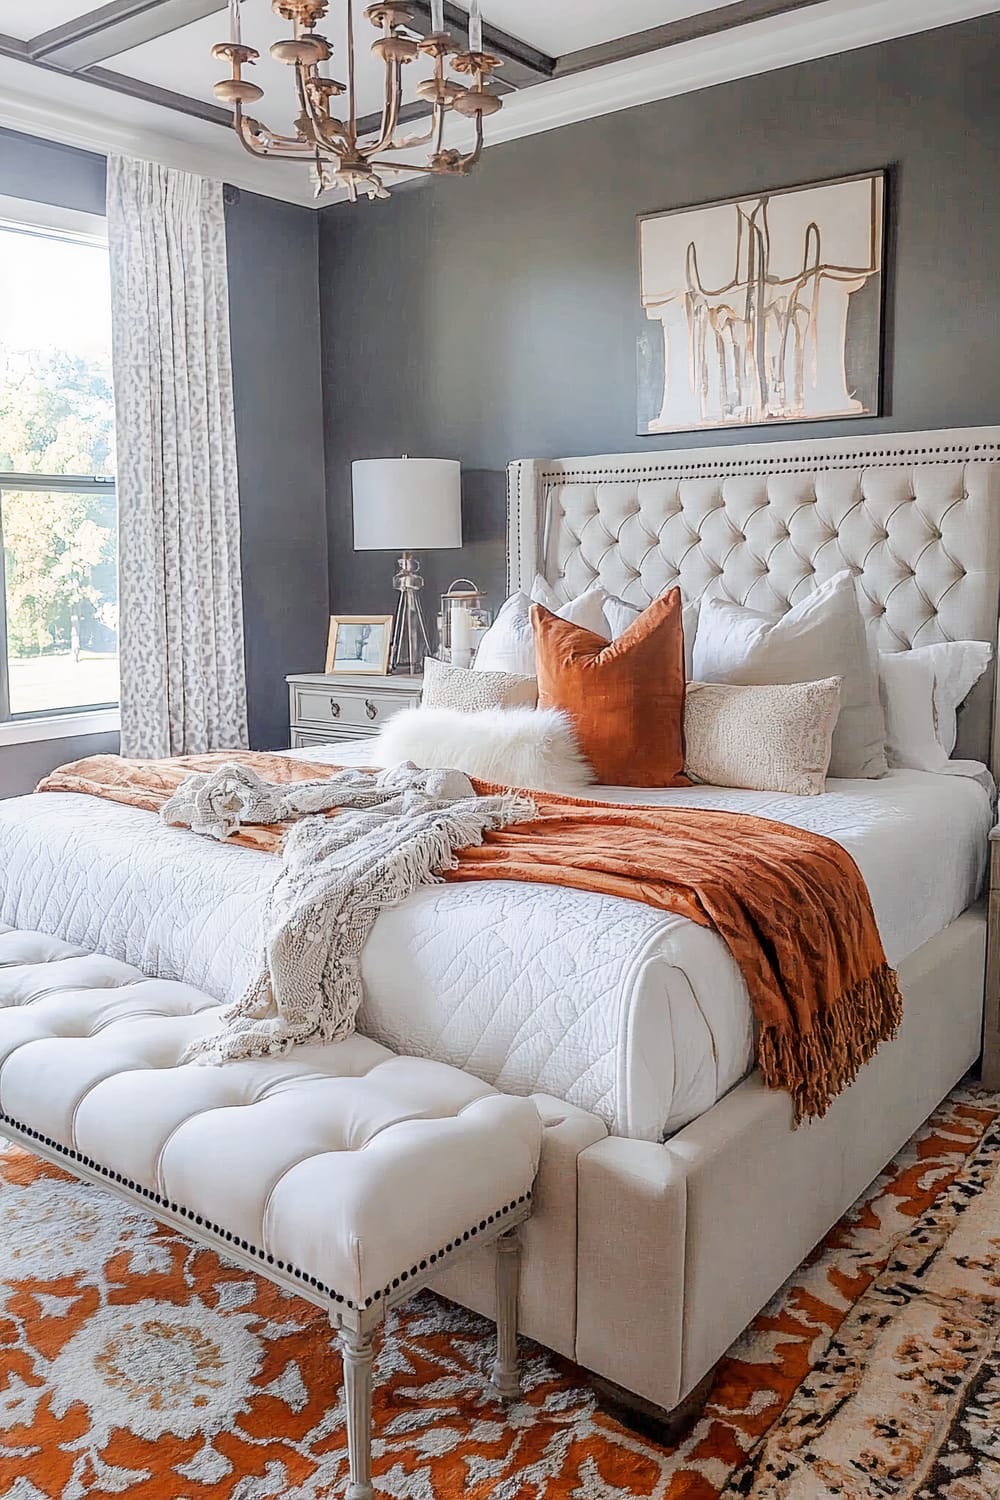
{"type": "Point", "coordinates": [227, 1235]}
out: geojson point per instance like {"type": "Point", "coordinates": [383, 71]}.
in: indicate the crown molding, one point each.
{"type": "Point", "coordinates": [816, 31]}
{"type": "Point", "coordinates": [69, 125]}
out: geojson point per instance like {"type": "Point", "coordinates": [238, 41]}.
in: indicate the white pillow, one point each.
{"type": "Point", "coordinates": [509, 646]}
{"type": "Point", "coordinates": [619, 615]}
{"type": "Point", "coordinates": [958, 666]}
{"type": "Point", "coordinates": [446, 686]}
{"type": "Point", "coordinates": [823, 636]}
{"type": "Point", "coordinates": [922, 691]}
{"type": "Point", "coordinates": [768, 739]}
{"type": "Point", "coordinates": [522, 747]}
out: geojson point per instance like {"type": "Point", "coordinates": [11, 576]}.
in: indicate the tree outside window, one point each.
{"type": "Point", "coordinates": [57, 464]}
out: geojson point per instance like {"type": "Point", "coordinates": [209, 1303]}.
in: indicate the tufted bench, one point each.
{"type": "Point", "coordinates": [342, 1172]}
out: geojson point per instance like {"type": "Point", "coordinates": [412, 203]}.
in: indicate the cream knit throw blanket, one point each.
{"type": "Point", "coordinates": [399, 830]}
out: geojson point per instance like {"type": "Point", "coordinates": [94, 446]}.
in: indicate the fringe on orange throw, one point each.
{"type": "Point", "coordinates": [791, 906]}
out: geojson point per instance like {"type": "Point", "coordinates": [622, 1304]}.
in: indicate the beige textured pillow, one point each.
{"type": "Point", "coordinates": [767, 739]}
{"type": "Point", "coordinates": [471, 692]}
{"type": "Point", "coordinates": [822, 636]}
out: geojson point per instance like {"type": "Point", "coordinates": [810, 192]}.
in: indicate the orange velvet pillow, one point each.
{"type": "Point", "coordinates": [624, 697]}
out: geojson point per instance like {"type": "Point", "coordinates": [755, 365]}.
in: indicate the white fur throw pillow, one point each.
{"type": "Point", "coordinates": [470, 692]}
{"type": "Point", "coordinates": [533, 748]}
{"type": "Point", "coordinates": [768, 739]}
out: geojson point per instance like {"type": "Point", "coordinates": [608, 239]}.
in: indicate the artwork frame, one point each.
{"type": "Point", "coordinates": [797, 331]}
{"type": "Point", "coordinates": [349, 649]}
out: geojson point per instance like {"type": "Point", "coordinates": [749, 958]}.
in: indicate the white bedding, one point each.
{"type": "Point", "coordinates": [639, 1016]}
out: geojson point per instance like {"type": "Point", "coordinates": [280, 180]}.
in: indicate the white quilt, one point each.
{"type": "Point", "coordinates": [639, 1016]}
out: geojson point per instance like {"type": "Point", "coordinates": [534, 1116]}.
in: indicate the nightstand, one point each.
{"type": "Point", "coordinates": [326, 707]}
{"type": "Point", "coordinates": [991, 1023]}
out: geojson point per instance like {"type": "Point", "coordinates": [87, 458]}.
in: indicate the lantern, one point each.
{"type": "Point", "coordinates": [462, 623]}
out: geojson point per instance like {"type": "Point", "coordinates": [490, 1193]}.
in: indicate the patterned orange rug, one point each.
{"type": "Point", "coordinates": [134, 1364]}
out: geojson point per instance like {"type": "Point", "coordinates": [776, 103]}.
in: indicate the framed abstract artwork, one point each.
{"type": "Point", "coordinates": [763, 309]}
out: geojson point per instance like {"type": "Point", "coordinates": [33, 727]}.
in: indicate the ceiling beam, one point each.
{"type": "Point", "coordinates": [152, 93]}
{"type": "Point", "coordinates": [674, 33]}
{"type": "Point", "coordinates": [523, 65]}
{"type": "Point", "coordinates": [117, 27]}
{"type": "Point", "coordinates": [118, 83]}
{"type": "Point", "coordinates": [12, 46]}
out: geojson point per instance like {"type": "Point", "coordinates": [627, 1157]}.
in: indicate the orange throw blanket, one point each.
{"type": "Point", "coordinates": [791, 906]}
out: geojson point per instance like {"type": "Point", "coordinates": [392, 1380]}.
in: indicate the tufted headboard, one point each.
{"type": "Point", "coordinates": [915, 516]}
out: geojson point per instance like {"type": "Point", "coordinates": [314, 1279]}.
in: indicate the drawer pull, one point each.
{"type": "Point", "coordinates": [334, 709]}
{"type": "Point", "coordinates": [370, 709]}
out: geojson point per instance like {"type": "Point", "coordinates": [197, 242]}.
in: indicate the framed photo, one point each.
{"type": "Point", "coordinates": [359, 643]}
{"type": "Point", "coordinates": [763, 309]}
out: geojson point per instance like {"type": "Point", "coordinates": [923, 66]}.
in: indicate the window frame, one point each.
{"type": "Point", "coordinates": [49, 221]}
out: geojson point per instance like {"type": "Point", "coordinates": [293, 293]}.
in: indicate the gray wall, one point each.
{"type": "Point", "coordinates": [273, 286]}
{"type": "Point", "coordinates": [496, 317]}
{"type": "Point", "coordinates": [273, 291]}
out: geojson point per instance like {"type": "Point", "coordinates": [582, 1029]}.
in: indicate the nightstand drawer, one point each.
{"type": "Point", "coordinates": [349, 708]}
{"type": "Point", "coordinates": [303, 738]}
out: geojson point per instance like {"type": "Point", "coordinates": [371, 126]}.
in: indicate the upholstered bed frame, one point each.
{"type": "Point", "coordinates": [644, 1261]}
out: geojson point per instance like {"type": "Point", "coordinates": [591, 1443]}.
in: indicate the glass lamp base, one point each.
{"type": "Point", "coordinates": [410, 642]}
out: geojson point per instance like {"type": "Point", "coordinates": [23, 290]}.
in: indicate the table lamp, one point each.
{"type": "Point", "coordinates": [406, 504]}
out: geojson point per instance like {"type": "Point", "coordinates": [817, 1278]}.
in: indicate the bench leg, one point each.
{"type": "Point", "coordinates": [504, 1374]}
{"type": "Point", "coordinates": [357, 1352]}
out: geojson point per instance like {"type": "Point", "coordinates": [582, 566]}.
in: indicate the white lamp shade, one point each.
{"type": "Point", "coordinates": [407, 504]}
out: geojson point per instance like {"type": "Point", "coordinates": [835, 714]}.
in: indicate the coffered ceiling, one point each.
{"type": "Point", "coordinates": [137, 75]}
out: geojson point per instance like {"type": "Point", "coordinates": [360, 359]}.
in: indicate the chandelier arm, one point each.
{"type": "Point", "coordinates": [390, 110]}
{"type": "Point", "coordinates": [323, 128]}
{"type": "Point", "coordinates": [303, 94]}
{"type": "Point", "coordinates": [438, 129]}
{"type": "Point", "coordinates": [410, 142]}
{"type": "Point", "coordinates": [329, 136]}
{"type": "Point", "coordinates": [297, 150]}
{"type": "Point", "coordinates": [473, 158]}
{"type": "Point", "coordinates": [435, 134]}
{"type": "Point", "coordinates": [332, 139]}
{"type": "Point", "coordinates": [464, 163]}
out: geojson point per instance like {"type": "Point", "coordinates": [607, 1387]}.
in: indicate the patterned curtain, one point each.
{"type": "Point", "coordinates": [180, 590]}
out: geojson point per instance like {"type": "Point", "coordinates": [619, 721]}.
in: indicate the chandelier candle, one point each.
{"type": "Point", "coordinates": [328, 137]}
{"type": "Point", "coordinates": [475, 27]}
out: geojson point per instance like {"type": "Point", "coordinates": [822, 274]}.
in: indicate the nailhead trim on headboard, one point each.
{"type": "Point", "coordinates": [669, 465]}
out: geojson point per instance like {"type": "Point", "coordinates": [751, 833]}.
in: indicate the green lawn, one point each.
{"type": "Point", "coordinates": [52, 682]}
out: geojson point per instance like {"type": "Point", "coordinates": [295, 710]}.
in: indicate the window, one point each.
{"type": "Point", "coordinates": [59, 584]}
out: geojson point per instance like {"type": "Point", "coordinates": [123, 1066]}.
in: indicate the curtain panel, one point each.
{"type": "Point", "coordinates": [181, 597]}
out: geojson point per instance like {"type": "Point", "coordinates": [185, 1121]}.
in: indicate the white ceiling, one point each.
{"type": "Point", "coordinates": [27, 18]}
{"type": "Point", "coordinates": [558, 28]}
{"type": "Point", "coordinates": [64, 107]}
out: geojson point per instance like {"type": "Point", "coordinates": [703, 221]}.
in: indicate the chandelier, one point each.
{"type": "Point", "coordinates": [341, 148]}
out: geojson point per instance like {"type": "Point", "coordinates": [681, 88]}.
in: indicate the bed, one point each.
{"type": "Point", "coordinates": [632, 1014]}
{"type": "Point", "coordinates": [646, 1255]}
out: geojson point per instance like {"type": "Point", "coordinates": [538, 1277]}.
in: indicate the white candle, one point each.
{"type": "Point", "coordinates": [234, 21]}
{"type": "Point", "coordinates": [475, 27]}
{"type": "Point", "coordinates": [461, 629]}
{"type": "Point", "coordinates": [437, 15]}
